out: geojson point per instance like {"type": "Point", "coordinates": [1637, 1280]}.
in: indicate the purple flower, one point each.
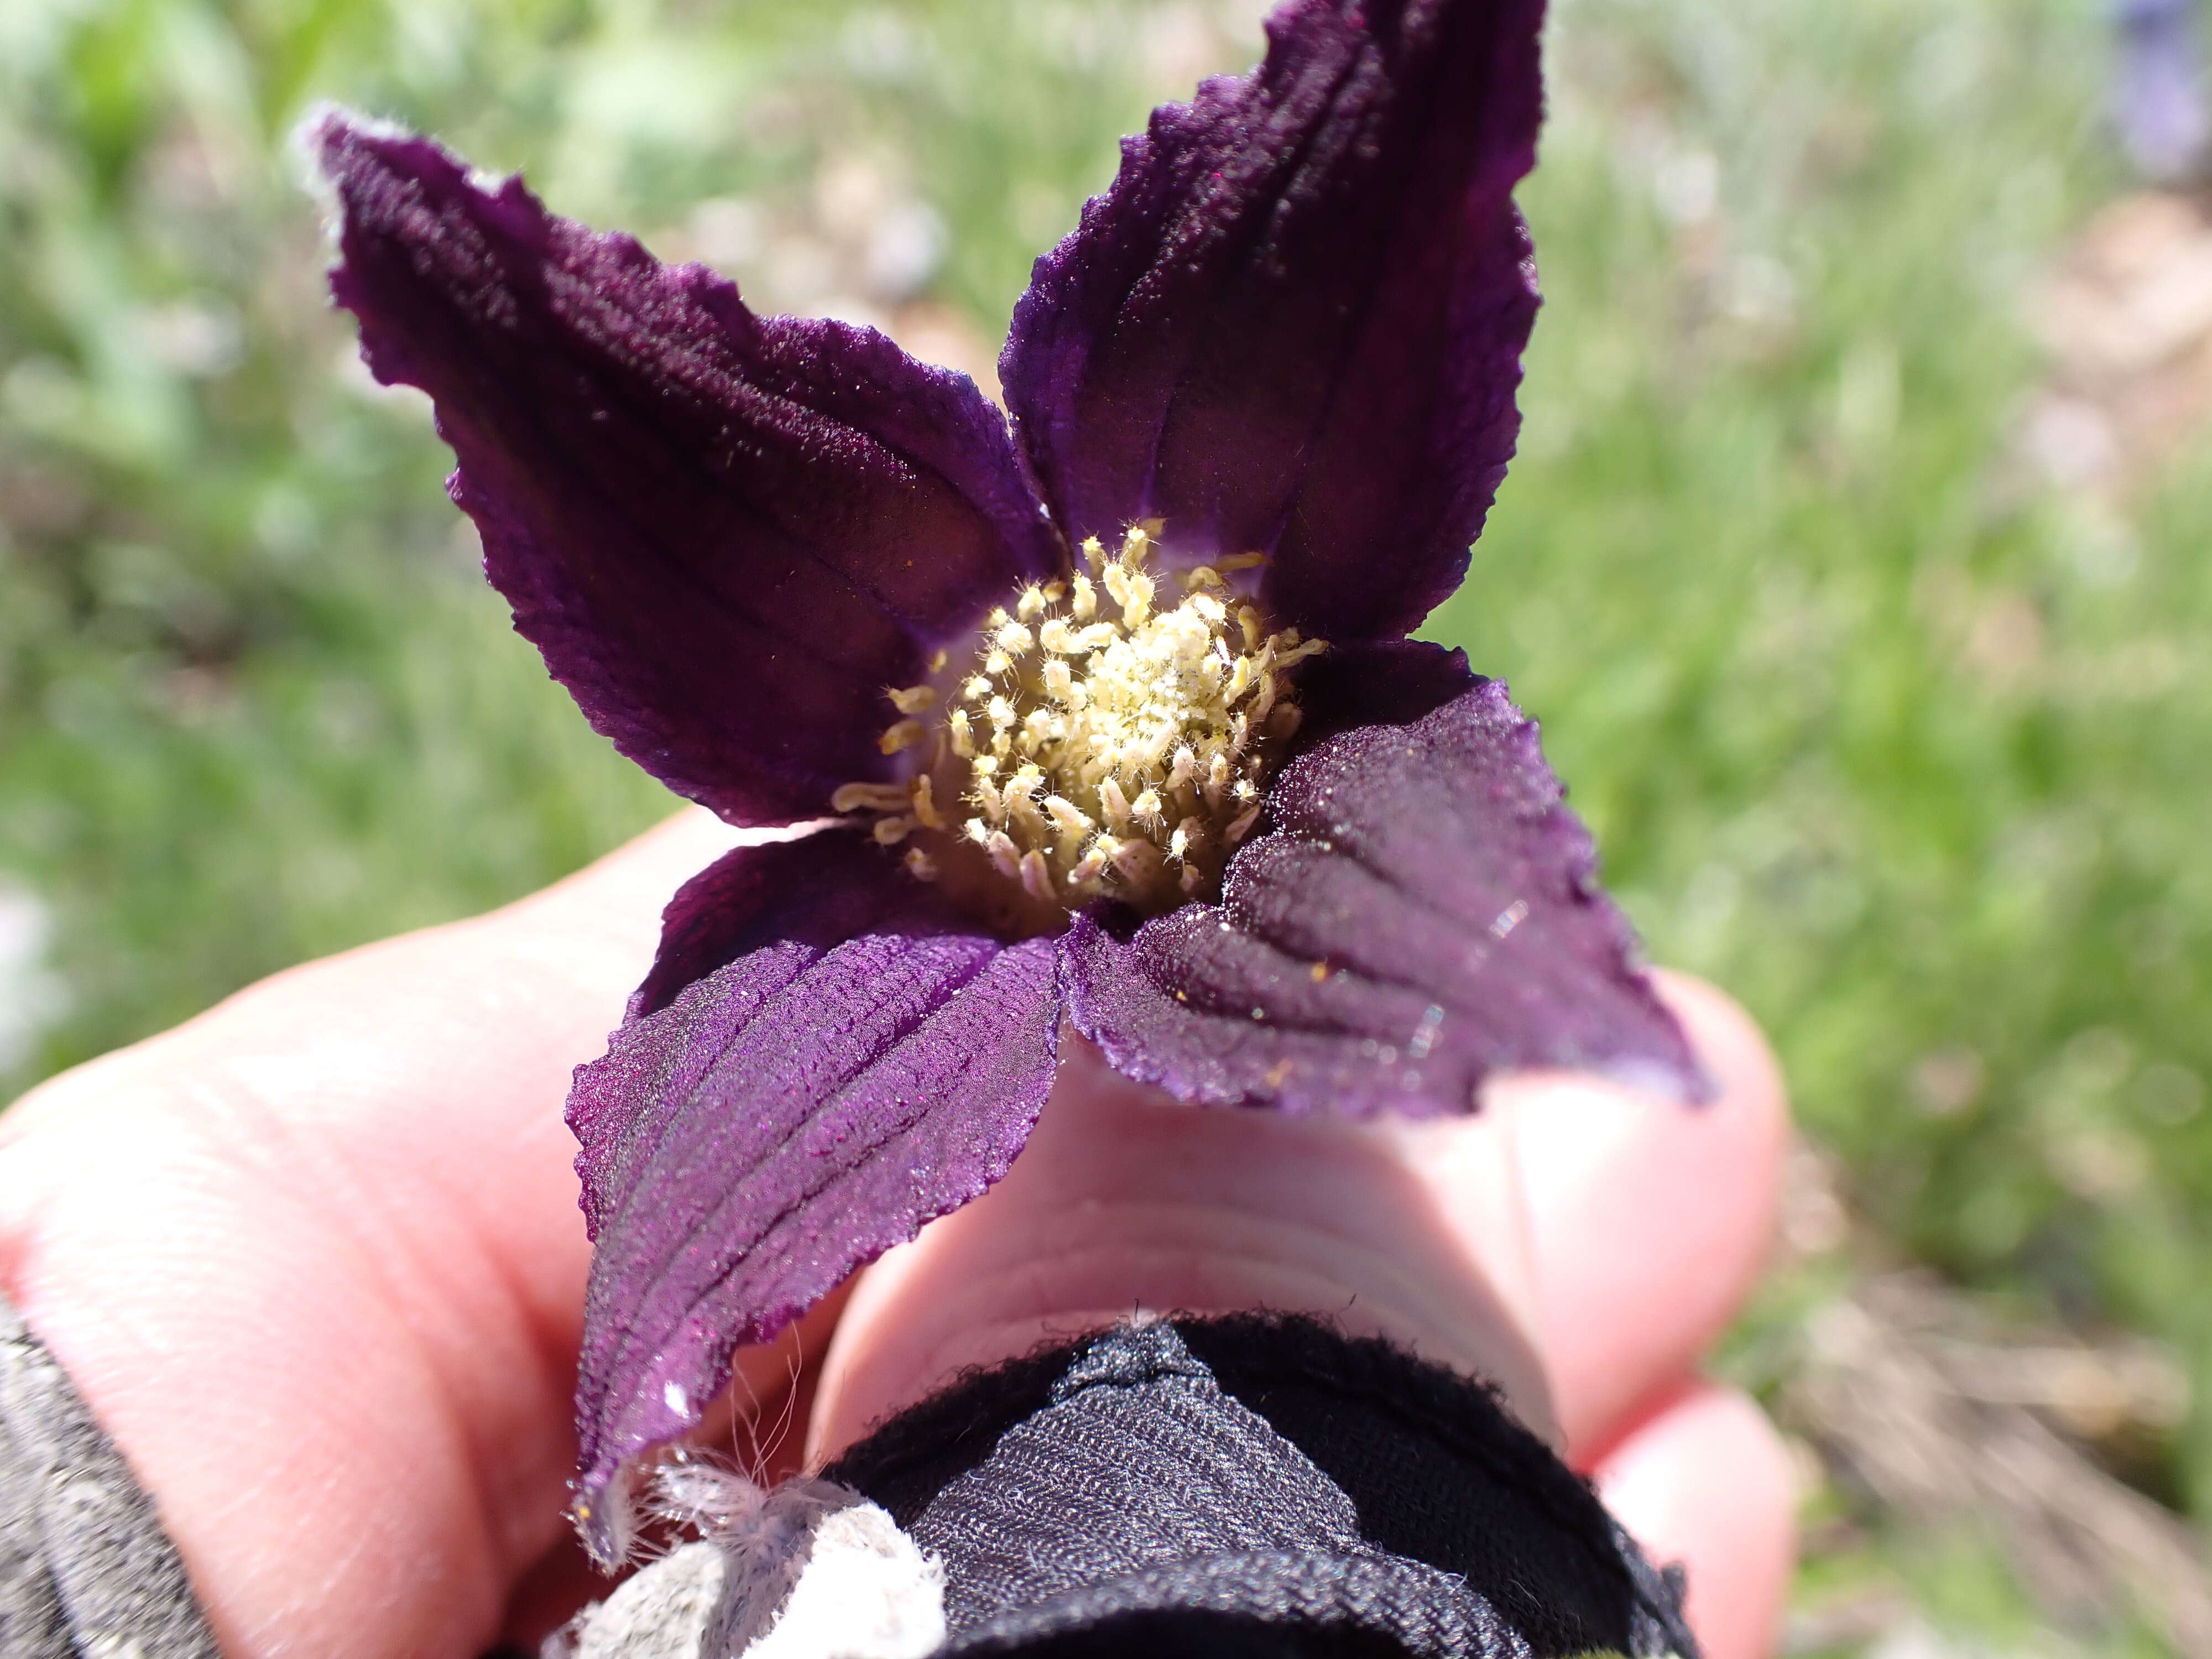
{"type": "Point", "coordinates": [1116, 700]}
{"type": "Point", "coordinates": [2158, 87]}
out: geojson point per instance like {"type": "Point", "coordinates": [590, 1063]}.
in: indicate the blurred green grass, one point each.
{"type": "Point", "coordinates": [1908, 749]}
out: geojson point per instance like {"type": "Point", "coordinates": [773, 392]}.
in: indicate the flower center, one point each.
{"type": "Point", "coordinates": [1102, 743]}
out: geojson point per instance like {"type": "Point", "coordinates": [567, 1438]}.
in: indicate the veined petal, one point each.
{"type": "Point", "coordinates": [856, 1062]}
{"type": "Point", "coordinates": [1294, 324]}
{"type": "Point", "coordinates": [728, 534]}
{"type": "Point", "coordinates": [1420, 914]}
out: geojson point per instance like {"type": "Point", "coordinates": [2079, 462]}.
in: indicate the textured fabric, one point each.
{"type": "Point", "coordinates": [1241, 1488]}
{"type": "Point", "coordinates": [86, 1572]}
{"type": "Point", "coordinates": [839, 1581]}
{"type": "Point", "coordinates": [862, 1062]}
{"type": "Point", "coordinates": [1247, 1484]}
{"type": "Point", "coordinates": [1420, 912]}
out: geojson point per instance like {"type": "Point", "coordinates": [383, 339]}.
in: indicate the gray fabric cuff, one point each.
{"type": "Point", "coordinates": [86, 1572]}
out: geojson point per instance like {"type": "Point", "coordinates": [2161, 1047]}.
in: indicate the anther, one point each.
{"type": "Point", "coordinates": [1115, 804]}
{"type": "Point", "coordinates": [1136, 859]}
{"type": "Point", "coordinates": [868, 797]}
{"type": "Point", "coordinates": [1101, 748]}
{"type": "Point", "coordinates": [1132, 592]}
{"type": "Point", "coordinates": [1070, 819]}
{"type": "Point", "coordinates": [924, 804]}
{"type": "Point", "coordinates": [920, 864]}
{"type": "Point", "coordinates": [1036, 877]}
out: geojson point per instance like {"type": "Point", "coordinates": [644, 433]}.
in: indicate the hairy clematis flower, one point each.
{"type": "Point", "coordinates": [1115, 698]}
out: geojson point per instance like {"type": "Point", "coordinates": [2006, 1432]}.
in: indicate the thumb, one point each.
{"type": "Point", "coordinates": [315, 1261]}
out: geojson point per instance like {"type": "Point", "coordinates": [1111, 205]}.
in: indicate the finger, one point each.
{"type": "Point", "coordinates": [1648, 1222]}
{"type": "Point", "coordinates": [1126, 1200]}
{"type": "Point", "coordinates": [1705, 1481]}
{"type": "Point", "coordinates": [315, 1261]}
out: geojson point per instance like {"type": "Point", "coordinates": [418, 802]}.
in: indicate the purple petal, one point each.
{"type": "Point", "coordinates": [1294, 324]}
{"type": "Point", "coordinates": [727, 533]}
{"type": "Point", "coordinates": [1420, 914]}
{"type": "Point", "coordinates": [858, 1063]}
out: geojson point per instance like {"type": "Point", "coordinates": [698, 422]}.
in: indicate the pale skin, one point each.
{"type": "Point", "coordinates": [315, 1262]}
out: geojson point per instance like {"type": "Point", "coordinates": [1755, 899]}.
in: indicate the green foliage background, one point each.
{"type": "Point", "coordinates": [1910, 751]}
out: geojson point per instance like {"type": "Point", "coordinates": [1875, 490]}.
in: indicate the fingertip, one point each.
{"type": "Point", "coordinates": [1706, 1481]}
{"type": "Point", "coordinates": [1648, 1222]}
{"type": "Point", "coordinates": [1728, 1041]}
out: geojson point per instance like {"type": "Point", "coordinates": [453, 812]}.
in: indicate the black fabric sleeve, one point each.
{"type": "Point", "coordinates": [1255, 1486]}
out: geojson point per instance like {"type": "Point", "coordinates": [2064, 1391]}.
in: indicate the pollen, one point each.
{"type": "Point", "coordinates": [1111, 736]}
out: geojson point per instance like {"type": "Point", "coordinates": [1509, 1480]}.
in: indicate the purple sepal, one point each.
{"type": "Point", "coordinates": [727, 533]}
{"type": "Point", "coordinates": [1420, 914]}
{"type": "Point", "coordinates": [1294, 324]}
{"type": "Point", "coordinates": [864, 1062]}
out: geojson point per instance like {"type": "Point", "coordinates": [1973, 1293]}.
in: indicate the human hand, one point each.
{"type": "Point", "coordinates": [315, 1261]}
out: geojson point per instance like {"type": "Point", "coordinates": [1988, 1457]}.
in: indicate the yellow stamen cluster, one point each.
{"type": "Point", "coordinates": [1105, 742]}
